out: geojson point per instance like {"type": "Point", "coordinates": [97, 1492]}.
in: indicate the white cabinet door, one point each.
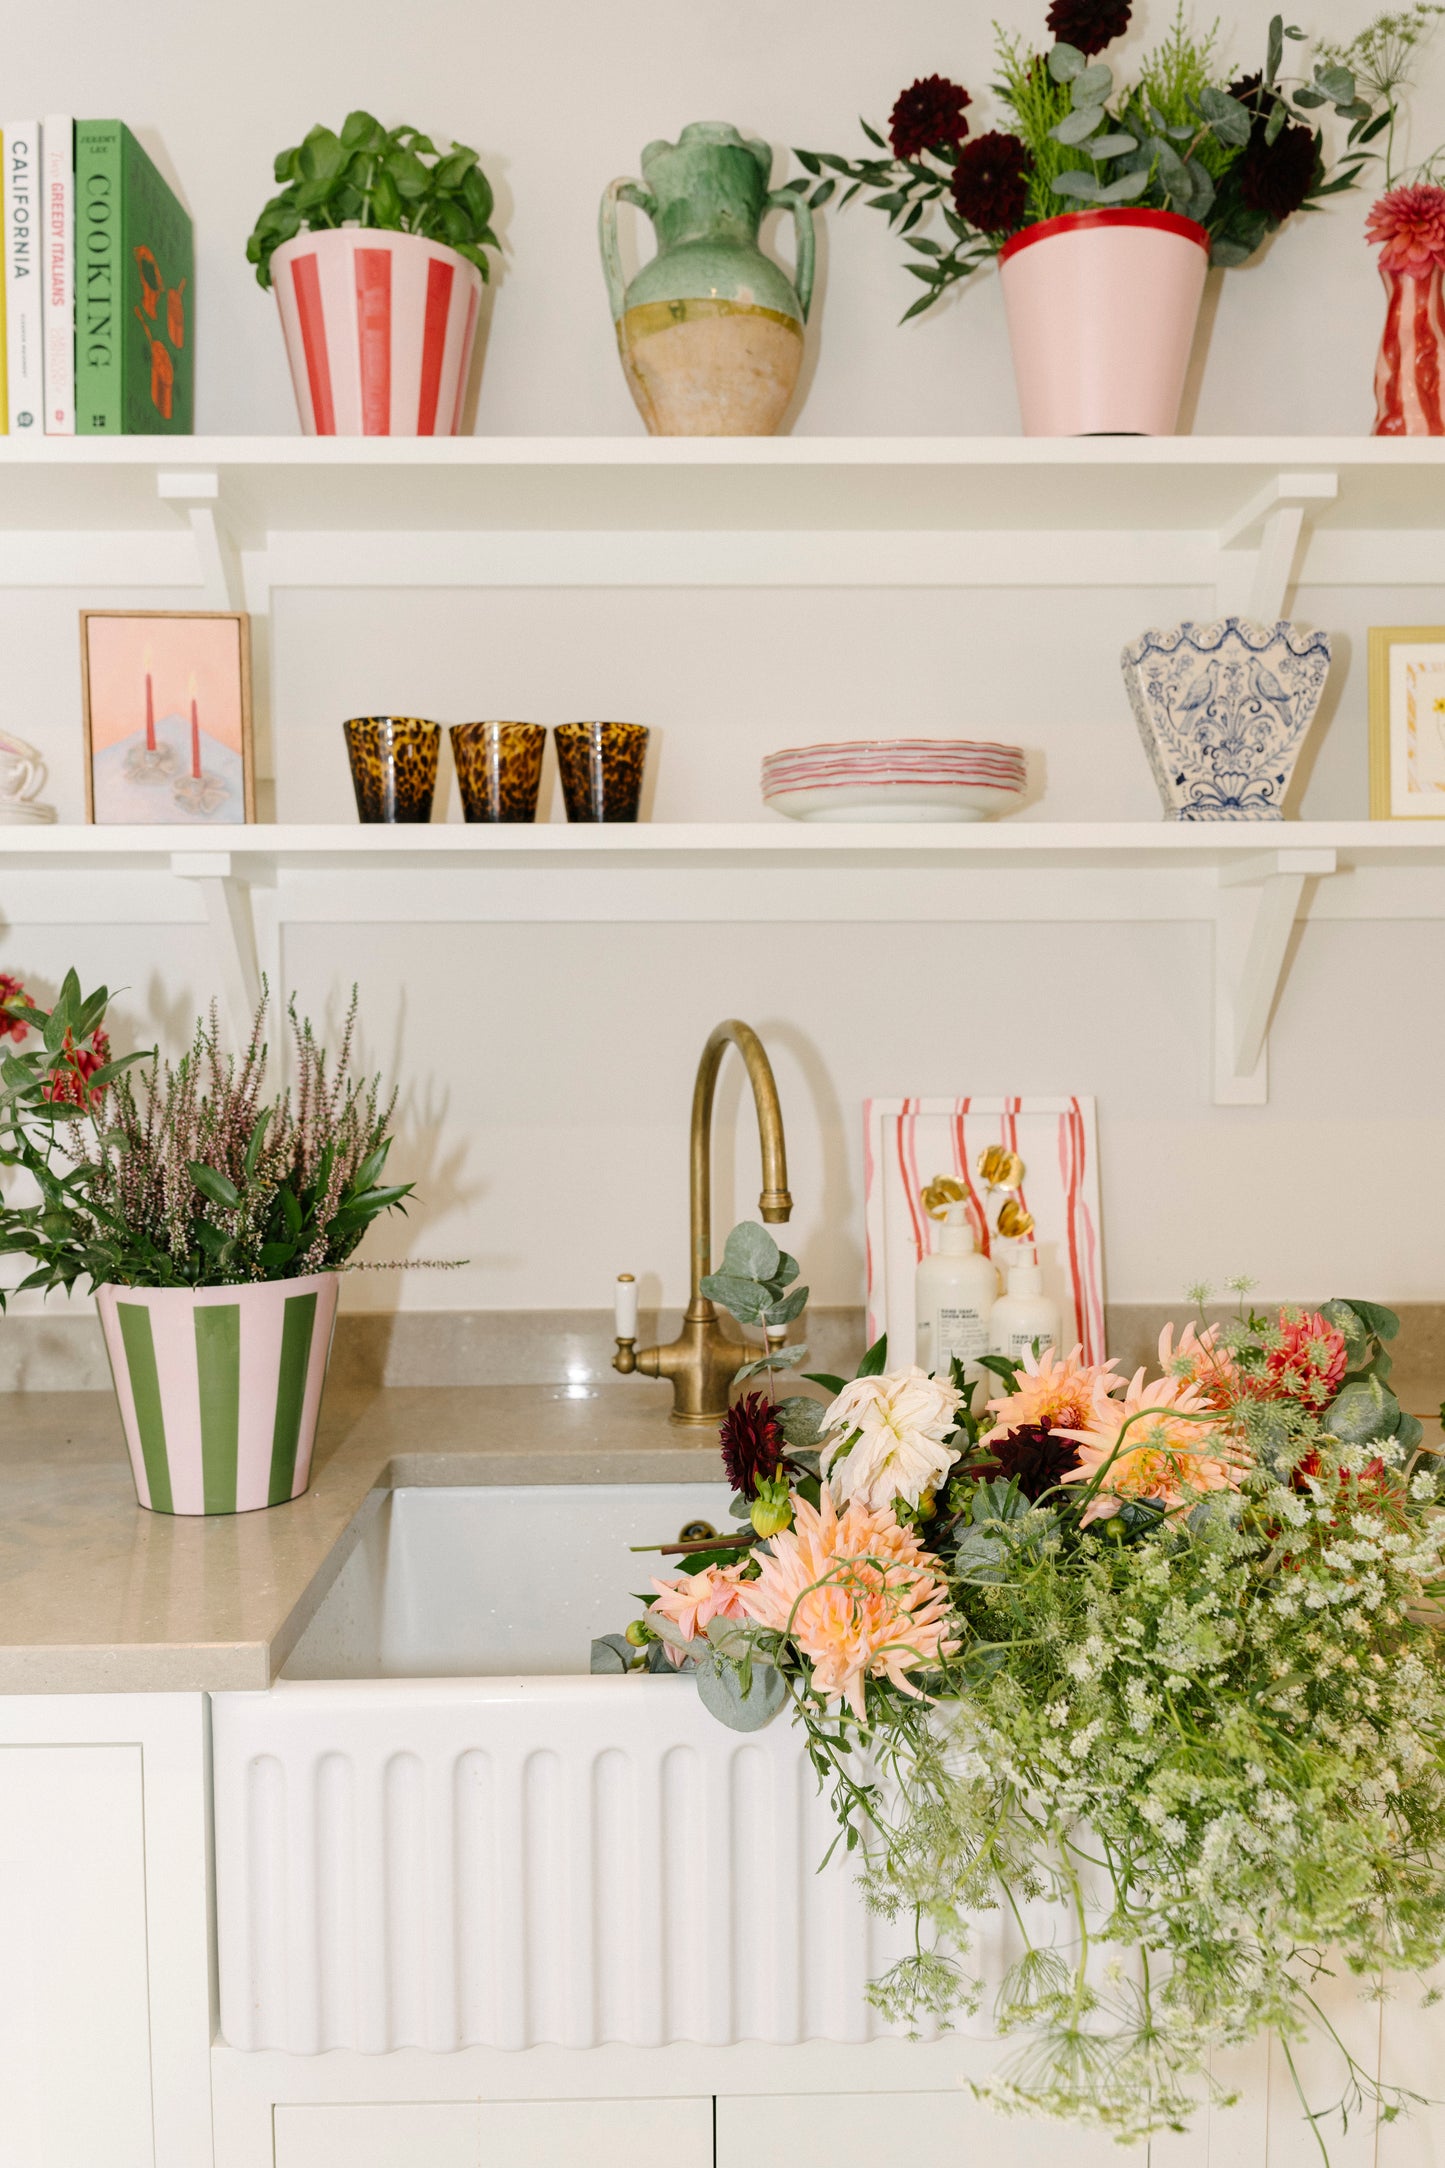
{"type": "Point", "coordinates": [497, 2134]}
{"type": "Point", "coordinates": [899, 2130]}
{"type": "Point", "coordinates": [75, 2086]}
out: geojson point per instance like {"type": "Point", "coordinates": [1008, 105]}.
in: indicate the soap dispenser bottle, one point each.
{"type": "Point", "coordinates": [955, 1294]}
{"type": "Point", "coordinates": [1025, 1315]}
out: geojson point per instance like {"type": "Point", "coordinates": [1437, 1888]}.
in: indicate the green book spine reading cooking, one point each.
{"type": "Point", "coordinates": [134, 338]}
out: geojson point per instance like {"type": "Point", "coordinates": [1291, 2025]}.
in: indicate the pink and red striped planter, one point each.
{"type": "Point", "coordinates": [1408, 388]}
{"type": "Point", "coordinates": [379, 331]}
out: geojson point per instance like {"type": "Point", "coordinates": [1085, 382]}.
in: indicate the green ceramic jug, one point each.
{"type": "Point", "coordinates": [711, 331]}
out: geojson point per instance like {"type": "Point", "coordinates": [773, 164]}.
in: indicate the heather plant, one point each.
{"type": "Point", "coordinates": [185, 1174]}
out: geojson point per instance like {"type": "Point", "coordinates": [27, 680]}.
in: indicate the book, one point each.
{"type": "Point", "coordinates": [134, 291]}
{"type": "Point", "coordinates": [4, 368]}
{"type": "Point", "coordinates": [20, 211]}
{"type": "Point", "coordinates": [57, 151]}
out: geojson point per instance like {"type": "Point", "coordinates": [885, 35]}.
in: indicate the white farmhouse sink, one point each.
{"type": "Point", "coordinates": [511, 1581]}
{"type": "Point", "coordinates": [436, 1830]}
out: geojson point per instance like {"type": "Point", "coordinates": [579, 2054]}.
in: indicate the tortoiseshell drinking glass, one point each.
{"type": "Point", "coordinates": [602, 765]}
{"type": "Point", "coordinates": [393, 766]}
{"type": "Point", "coordinates": [499, 768]}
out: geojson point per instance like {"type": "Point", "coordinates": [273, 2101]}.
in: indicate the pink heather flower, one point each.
{"type": "Point", "coordinates": [1201, 1362]}
{"type": "Point", "coordinates": [1158, 1457]}
{"type": "Point", "coordinates": [1053, 1394]}
{"type": "Point", "coordinates": [859, 1596]}
{"type": "Point", "coordinates": [694, 1599]}
{"type": "Point", "coordinates": [1307, 1363]}
{"type": "Point", "coordinates": [1409, 223]}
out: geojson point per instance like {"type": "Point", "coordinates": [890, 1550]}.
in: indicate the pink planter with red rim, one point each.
{"type": "Point", "coordinates": [379, 331]}
{"type": "Point", "coordinates": [1102, 307]}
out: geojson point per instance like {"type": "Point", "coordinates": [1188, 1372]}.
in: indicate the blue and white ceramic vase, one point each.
{"type": "Point", "coordinates": [1223, 711]}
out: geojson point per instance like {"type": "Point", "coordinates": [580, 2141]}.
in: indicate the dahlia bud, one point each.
{"type": "Point", "coordinates": [639, 1633]}
{"type": "Point", "coordinates": [773, 1507]}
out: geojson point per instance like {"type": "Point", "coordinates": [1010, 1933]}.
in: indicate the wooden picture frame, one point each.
{"type": "Point", "coordinates": [168, 720]}
{"type": "Point", "coordinates": [1407, 745]}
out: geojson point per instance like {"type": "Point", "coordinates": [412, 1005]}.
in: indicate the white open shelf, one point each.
{"type": "Point", "coordinates": [1253, 882]}
{"type": "Point", "coordinates": [236, 517]}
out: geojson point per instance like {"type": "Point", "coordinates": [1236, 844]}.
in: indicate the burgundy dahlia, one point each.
{"type": "Point", "coordinates": [928, 116]}
{"type": "Point", "coordinates": [1274, 178]}
{"type": "Point", "coordinates": [1035, 1457]}
{"type": "Point", "coordinates": [1089, 24]}
{"type": "Point", "coordinates": [991, 182]}
{"type": "Point", "coordinates": [752, 1444]}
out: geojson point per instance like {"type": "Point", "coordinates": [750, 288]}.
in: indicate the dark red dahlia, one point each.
{"type": "Point", "coordinates": [928, 117]}
{"type": "Point", "coordinates": [1274, 178]}
{"type": "Point", "coordinates": [1089, 24]}
{"type": "Point", "coordinates": [1035, 1457]}
{"type": "Point", "coordinates": [991, 183]}
{"type": "Point", "coordinates": [752, 1444]}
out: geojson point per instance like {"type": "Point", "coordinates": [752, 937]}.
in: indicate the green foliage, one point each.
{"type": "Point", "coordinates": [395, 180]}
{"type": "Point", "coordinates": [755, 1285]}
{"type": "Point", "coordinates": [190, 1179]}
{"type": "Point", "coordinates": [1174, 140]}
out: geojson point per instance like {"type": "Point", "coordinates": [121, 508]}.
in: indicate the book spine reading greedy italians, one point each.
{"type": "Point", "coordinates": [58, 165]}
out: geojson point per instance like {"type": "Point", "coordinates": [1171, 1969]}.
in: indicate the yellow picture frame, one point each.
{"type": "Point", "coordinates": [1392, 728]}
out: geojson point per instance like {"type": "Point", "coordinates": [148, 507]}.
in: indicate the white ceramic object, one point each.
{"type": "Point", "coordinates": [437, 1831]}
{"type": "Point", "coordinates": [379, 331]}
{"type": "Point", "coordinates": [912, 802]}
{"type": "Point", "coordinates": [1101, 307]}
{"type": "Point", "coordinates": [1223, 710]}
{"type": "Point", "coordinates": [220, 1388]}
{"type": "Point", "coordinates": [22, 777]}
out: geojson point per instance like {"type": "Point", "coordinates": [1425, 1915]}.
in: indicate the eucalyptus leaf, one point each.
{"type": "Point", "coordinates": [1112, 146]}
{"type": "Point", "coordinates": [800, 1419]}
{"type": "Point", "coordinates": [745, 1299]}
{"type": "Point", "coordinates": [721, 1693]}
{"type": "Point", "coordinates": [1228, 119]}
{"type": "Point", "coordinates": [1094, 84]}
{"type": "Point", "coordinates": [1078, 126]}
{"type": "Point", "coordinates": [979, 1556]}
{"type": "Point", "coordinates": [781, 1358]}
{"type": "Point", "coordinates": [611, 1653]}
{"type": "Point", "coordinates": [790, 1306]}
{"type": "Point", "coordinates": [1409, 1431]}
{"type": "Point", "coordinates": [1363, 1411]}
{"type": "Point", "coordinates": [750, 1252]}
{"type": "Point", "coordinates": [1125, 188]}
{"type": "Point", "coordinates": [1066, 63]}
{"type": "Point", "coordinates": [1077, 183]}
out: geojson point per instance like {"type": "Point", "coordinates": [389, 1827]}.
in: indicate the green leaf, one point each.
{"type": "Point", "coordinates": [1077, 126]}
{"type": "Point", "coordinates": [1092, 85]}
{"type": "Point", "coordinates": [1066, 63]}
{"type": "Point", "coordinates": [750, 1253]}
{"type": "Point", "coordinates": [1125, 188]}
{"type": "Point", "coordinates": [1228, 119]}
{"type": "Point", "coordinates": [322, 157]}
{"type": "Point", "coordinates": [1275, 52]}
{"type": "Point", "coordinates": [790, 1306]}
{"type": "Point", "coordinates": [1362, 1412]}
{"type": "Point", "coordinates": [872, 134]}
{"type": "Point", "coordinates": [809, 161]}
{"type": "Point", "coordinates": [830, 1384]}
{"type": "Point", "coordinates": [800, 1419]}
{"type": "Point", "coordinates": [743, 1299]}
{"type": "Point", "coordinates": [216, 1188]}
{"type": "Point", "coordinates": [611, 1653]}
{"type": "Point", "coordinates": [1338, 84]}
{"type": "Point", "coordinates": [821, 194]}
{"type": "Point", "coordinates": [1112, 146]}
{"type": "Point", "coordinates": [1077, 183]}
{"type": "Point", "coordinates": [875, 1361]}
{"type": "Point", "coordinates": [1376, 1318]}
{"type": "Point", "coordinates": [741, 1706]}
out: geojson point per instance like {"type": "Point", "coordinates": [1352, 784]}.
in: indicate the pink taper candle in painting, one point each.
{"type": "Point", "coordinates": [195, 733]}
{"type": "Point", "coordinates": [150, 707]}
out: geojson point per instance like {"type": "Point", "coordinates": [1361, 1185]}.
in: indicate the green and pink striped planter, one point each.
{"type": "Point", "coordinates": [220, 1388]}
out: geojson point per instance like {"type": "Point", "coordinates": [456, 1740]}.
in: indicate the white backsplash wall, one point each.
{"type": "Point", "coordinates": [546, 1071]}
{"type": "Point", "coordinates": [561, 95]}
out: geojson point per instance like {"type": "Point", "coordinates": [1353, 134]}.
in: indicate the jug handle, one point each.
{"type": "Point", "coordinates": [787, 199]}
{"type": "Point", "coordinates": [619, 192]}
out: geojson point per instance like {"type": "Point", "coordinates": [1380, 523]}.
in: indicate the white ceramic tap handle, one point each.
{"type": "Point", "coordinates": [626, 1306]}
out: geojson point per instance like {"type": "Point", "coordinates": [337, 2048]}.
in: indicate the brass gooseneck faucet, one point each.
{"type": "Point", "coordinates": [701, 1362]}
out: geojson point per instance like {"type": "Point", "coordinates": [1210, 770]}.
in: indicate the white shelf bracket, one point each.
{"type": "Point", "coordinates": [226, 899]}
{"type": "Point", "coordinates": [1261, 547]}
{"type": "Point", "coordinates": [196, 498]}
{"type": "Point", "coordinates": [1260, 901]}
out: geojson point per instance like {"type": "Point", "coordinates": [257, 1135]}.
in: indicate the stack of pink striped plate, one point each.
{"type": "Point", "coordinates": [896, 779]}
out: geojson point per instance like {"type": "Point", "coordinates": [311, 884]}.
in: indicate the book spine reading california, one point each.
{"type": "Point", "coordinates": [57, 144]}
{"type": "Point", "coordinates": [134, 305]}
{"type": "Point", "coordinates": [24, 278]}
{"type": "Point", "coordinates": [4, 369]}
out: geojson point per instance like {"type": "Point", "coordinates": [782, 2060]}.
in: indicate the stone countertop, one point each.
{"type": "Point", "coordinates": [98, 1596]}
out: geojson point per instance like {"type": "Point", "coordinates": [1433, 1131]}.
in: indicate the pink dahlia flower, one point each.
{"type": "Point", "coordinates": [1409, 224]}
{"type": "Point", "coordinates": [859, 1596]}
{"type": "Point", "coordinates": [1057, 1395]}
{"type": "Point", "coordinates": [1166, 1455]}
{"type": "Point", "coordinates": [1307, 1361]}
{"type": "Point", "coordinates": [1201, 1362]}
{"type": "Point", "coordinates": [694, 1599]}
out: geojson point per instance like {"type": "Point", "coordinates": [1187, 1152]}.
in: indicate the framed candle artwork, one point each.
{"type": "Point", "coordinates": [167, 717]}
{"type": "Point", "coordinates": [1407, 722]}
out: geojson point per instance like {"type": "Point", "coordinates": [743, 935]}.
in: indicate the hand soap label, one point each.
{"type": "Point", "coordinates": [958, 1331]}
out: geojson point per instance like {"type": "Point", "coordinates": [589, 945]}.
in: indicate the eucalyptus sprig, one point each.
{"type": "Point", "coordinates": [395, 180]}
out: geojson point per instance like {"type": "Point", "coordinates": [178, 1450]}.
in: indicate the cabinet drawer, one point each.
{"type": "Point", "coordinates": [496, 2134]}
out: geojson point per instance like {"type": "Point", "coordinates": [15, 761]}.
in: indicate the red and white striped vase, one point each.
{"type": "Point", "coordinates": [1408, 392]}
{"type": "Point", "coordinates": [379, 331]}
